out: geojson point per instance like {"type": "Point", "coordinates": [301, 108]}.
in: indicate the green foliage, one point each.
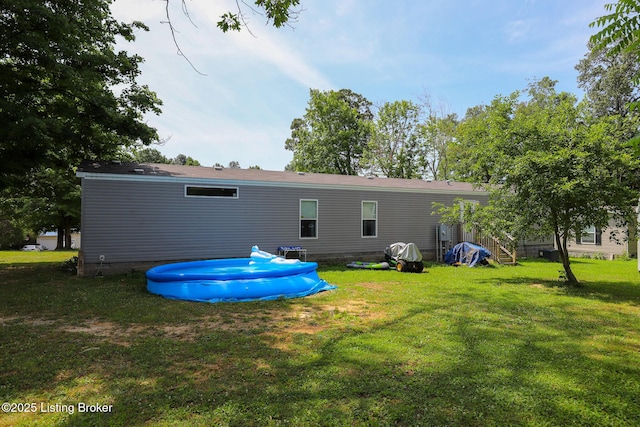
{"type": "Point", "coordinates": [149, 155]}
{"type": "Point", "coordinates": [553, 169]}
{"type": "Point", "coordinates": [11, 235]}
{"type": "Point", "coordinates": [49, 201]}
{"type": "Point", "coordinates": [436, 156]}
{"type": "Point", "coordinates": [70, 266]}
{"type": "Point", "coordinates": [278, 13]}
{"type": "Point", "coordinates": [620, 28]}
{"type": "Point", "coordinates": [478, 137]}
{"type": "Point", "coordinates": [182, 159]}
{"type": "Point", "coordinates": [609, 83]}
{"type": "Point", "coordinates": [332, 135]}
{"type": "Point", "coordinates": [620, 33]}
{"type": "Point", "coordinates": [58, 78]}
{"type": "Point", "coordinates": [396, 140]}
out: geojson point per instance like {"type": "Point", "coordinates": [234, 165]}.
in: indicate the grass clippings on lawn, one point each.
{"type": "Point", "coordinates": [450, 346]}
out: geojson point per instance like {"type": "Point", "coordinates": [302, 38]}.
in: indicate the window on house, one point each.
{"type": "Point", "coordinates": [590, 236]}
{"type": "Point", "coordinates": [369, 219]}
{"type": "Point", "coordinates": [198, 191]}
{"type": "Point", "coordinates": [308, 219]}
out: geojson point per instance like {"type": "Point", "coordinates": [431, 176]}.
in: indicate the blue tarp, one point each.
{"type": "Point", "coordinates": [466, 253]}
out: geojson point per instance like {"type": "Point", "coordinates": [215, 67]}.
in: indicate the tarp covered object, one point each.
{"type": "Point", "coordinates": [403, 251]}
{"type": "Point", "coordinates": [466, 253]}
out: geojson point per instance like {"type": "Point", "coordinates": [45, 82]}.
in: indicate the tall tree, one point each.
{"type": "Point", "coordinates": [611, 88]}
{"type": "Point", "coordinates": [394, 149]}
{"type": "Point", "coordinates": [65, 93]}
{"type": "Point", "coordinates": [620, 33]}
{"type": "Point", "coordinates": [332, 135]}
{"type": "Point", "coordinates": [49, 202]}
{"type": "Point", "coordinates": [608, 81]}
{"type": "Point", "coordinates": [182, 159]}
{"type": "Point", "coordinates": [559, 170]}
{"type": "Point", "coordinates": [438, 142]}
{"type": "Point", "coordinates": [477, 139]}
{"type": "Point", "coordinates": [149, 155]}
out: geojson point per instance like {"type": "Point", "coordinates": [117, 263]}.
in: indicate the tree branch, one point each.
{"type": "Point", "coordinates": [173, 30]}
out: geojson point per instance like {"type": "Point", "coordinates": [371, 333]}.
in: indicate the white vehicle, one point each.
{"type": "Point", "coordinates": [35, 247]}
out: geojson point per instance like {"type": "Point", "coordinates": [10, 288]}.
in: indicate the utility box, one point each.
{"type": "Point", "coordinates": [445, 233]}
{"type": "Point", "coordinates": [550, 254]}
{"type": "Point", "coordinates": [444, 237]}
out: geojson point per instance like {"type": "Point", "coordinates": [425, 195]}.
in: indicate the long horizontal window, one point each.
{"type": "Point", "coordinates": [200, 191]}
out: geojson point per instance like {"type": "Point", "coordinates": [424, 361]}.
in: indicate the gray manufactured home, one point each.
{"type": "Point", "coordinates": [135, 216]}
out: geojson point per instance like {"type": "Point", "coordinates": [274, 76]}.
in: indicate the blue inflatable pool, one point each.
{"type": "Point", "coordinates": [261, 277]}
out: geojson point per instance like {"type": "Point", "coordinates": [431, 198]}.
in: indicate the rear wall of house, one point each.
{"type": "Point", "coordinates": [136, 224]}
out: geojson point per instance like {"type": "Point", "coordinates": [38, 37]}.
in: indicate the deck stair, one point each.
{"type": "Point", "coordinates": [500, 252]}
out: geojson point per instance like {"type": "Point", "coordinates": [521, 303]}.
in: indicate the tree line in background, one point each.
{"type": "Point", "coordinates": [553, 165]}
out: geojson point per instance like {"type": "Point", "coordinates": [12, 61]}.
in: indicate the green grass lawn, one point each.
{"type": "Point", "coordinates": [490, 346]}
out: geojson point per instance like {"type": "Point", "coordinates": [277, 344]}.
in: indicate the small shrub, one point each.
{"type": "Point", "coordinates": [624, 257]}
{"type": "Point", "coordinates": [70, 266]}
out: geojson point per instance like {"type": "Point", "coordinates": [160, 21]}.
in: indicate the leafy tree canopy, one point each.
{"type": "Point", "coordinates": [552, 168]}
{"type": "Point", "coordinates": [620, 27]}
{"type": "Point", "coordinates": [332, 135]}
{"type": "Point", "coordinates": [394, 149]}
{"type": "Point", "coordinates": [278, 12]}
{"type": "Point", "coordinates": [65, 93]}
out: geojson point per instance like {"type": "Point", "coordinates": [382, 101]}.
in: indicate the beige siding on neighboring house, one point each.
{"type": "Point", "coordinates": [605, 245]}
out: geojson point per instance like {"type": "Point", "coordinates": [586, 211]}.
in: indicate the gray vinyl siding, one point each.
{"type": "Point", "coordinates": [142, 221]}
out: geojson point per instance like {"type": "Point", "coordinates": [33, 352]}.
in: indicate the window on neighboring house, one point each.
{"type": "Point", "coordinates": [590, 236]}
{"type": "Point", "coordinates": [200, 191]}
{"type": "Point", "coordinates": [308, 219]}
{"type": "Point", "coordinates": [369, 219]}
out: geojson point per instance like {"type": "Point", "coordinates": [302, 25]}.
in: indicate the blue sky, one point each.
{"type": "Point", "coordinates": [461, 53]}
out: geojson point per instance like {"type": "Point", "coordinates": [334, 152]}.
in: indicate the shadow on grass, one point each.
{"type": "Point", "coordinates": [617, 292]}
{"type": "Point", "coordinates": [429, 362]}
{"type": "Point", "coordinates": [422, 367]}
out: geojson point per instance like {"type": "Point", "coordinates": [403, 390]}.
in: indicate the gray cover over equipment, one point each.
{"type": "Point", "coordinates": [404, 251]}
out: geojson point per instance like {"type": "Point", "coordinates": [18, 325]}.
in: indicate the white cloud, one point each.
{"type": "Point", "coordinates": [517, 30]}
{"type": "Point", "coordinates": [466, 52]}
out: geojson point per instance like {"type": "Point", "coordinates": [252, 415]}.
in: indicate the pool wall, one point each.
{"type": "Point", "coordinates": [236, 279]}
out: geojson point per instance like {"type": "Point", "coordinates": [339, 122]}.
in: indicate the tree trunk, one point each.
{"type": "Point", "coordinates": [60, 240]}
{"type": "Point", "coordinates": [67, 236]}
{"type": "Point", "coordinates": [564, 257]}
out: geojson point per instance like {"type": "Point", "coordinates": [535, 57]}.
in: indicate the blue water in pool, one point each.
{"type": "Point", "coordinates": [263, 276]}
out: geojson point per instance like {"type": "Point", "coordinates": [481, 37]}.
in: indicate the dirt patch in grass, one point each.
{"type": "Point", "coordinates": [311, 320]}
{"type": "Point", "coordinates": [274, 323]}
{"type": "Point", "coordinates": [106, 331]}
{"type": "Point", "coordinates": [373, 286]}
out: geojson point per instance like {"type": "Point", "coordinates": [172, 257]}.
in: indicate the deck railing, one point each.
{"type": "Point", "coordinates": [501, 253]}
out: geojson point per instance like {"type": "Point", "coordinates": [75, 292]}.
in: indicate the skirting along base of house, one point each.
{"type": "Point", "coordinates": [111, 268]}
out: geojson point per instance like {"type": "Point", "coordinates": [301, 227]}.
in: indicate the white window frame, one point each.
{"type": "Point", "coordinates": [592, 233]}
{"type": "Point", "coordinates": [301, 218]}
{"type": "Point", "coordinates": [237, 191]}
{"type": "Point", "coordinates": [363, 219]}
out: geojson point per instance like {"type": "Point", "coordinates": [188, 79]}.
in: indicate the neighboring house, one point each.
{"type": "Point", "coordinates": [49, 240]}
{"type": "Point", "coordinates": [135, 216]}
{"type": "Point", "coordinates": [607, 243]}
